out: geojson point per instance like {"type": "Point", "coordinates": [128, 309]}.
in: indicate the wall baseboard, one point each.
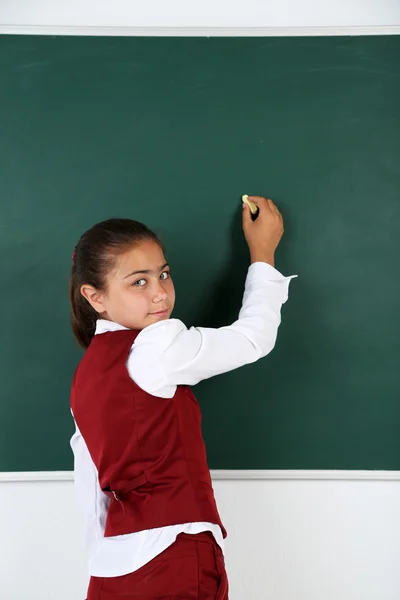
{"type": "Point", "coordinates": [196, 31]}
{"type": "Point", "coordinates": [234, 475]}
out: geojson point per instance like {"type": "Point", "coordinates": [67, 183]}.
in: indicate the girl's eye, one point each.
{"type": "Point", "coordinates": [140, 282]}
{"type": "Point", "coordinates": [165, 275]}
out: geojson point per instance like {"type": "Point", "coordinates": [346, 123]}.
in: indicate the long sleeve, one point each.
{"type": "Point", "coordinates": [168, 354]}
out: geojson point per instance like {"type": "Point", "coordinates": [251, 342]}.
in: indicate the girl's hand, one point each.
{"type": "Point", "coordinates": [264, 234]}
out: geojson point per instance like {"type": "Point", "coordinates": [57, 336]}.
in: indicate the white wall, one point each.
{"type": "Point", "coordinates": [203, 13]}
{"type": "Point", "coordinates": [288, 540]}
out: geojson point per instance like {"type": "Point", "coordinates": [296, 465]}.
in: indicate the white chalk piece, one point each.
{"type": "Point", "coordinates": [250, 204]}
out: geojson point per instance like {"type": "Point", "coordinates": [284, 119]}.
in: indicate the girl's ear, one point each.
{"type": "Point", "coordinates": [94, 297]}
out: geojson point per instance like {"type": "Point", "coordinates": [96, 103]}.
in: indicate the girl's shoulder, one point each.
{"type": "Point", "coordinates": [160, 334]}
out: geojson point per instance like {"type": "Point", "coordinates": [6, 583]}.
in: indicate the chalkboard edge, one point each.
{"type": "Point", "coordinates": [230, 474]}
{"type": "Point", "coordinates": [234, 31]}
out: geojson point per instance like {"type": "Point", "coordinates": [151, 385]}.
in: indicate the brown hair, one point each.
{"type": "Point", "coordinates": [93, 258]}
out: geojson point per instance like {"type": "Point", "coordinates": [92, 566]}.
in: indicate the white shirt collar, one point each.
{"type": "Point", "coordinates": [103, 326]}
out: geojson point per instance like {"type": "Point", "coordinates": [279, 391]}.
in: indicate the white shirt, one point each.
{"type": "Point", "coordinates": [163, 356]}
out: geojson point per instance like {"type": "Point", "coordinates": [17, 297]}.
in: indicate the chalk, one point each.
{"type": "Point", "coordinates": [253, 208]}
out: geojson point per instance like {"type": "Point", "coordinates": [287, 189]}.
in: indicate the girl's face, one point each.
{"type": "Point", "coordinates": [139, 291]}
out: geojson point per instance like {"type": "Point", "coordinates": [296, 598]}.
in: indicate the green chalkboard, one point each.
{"type": "Point", "coordinates": [171, 132]}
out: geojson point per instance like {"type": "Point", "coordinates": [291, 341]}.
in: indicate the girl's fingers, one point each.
{"type": "Point", "coordinates": [259, 200]}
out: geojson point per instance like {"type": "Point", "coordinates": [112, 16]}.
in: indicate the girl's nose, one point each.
{"type": "Point", "coordinates": [160, 293]}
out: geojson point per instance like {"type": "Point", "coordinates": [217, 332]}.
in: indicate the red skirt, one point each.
{"type": "Point", "coordinates": [192, 568]}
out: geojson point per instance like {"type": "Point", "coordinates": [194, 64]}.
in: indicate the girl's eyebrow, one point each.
{"type": "Point", "coordinates": [145, 271]}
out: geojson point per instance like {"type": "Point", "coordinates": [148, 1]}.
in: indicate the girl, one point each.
{"type": "Point", "coordinates": [152, 524]}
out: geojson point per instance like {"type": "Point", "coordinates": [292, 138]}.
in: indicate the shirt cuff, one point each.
{"type": "Point", "coordinates": [266, 272]}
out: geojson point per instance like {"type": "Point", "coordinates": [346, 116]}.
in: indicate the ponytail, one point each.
{"type": "Point", "coordinates": [83, 315]}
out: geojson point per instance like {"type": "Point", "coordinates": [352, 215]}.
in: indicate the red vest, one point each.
{"type": "Point", "coordinates": [149, 451]}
